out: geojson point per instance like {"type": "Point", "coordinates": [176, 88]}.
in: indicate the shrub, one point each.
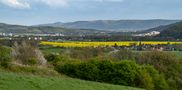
{"type": "Point", "coordinates": [145, 80]}
{"type": "Point", "coordinates": [157, 79]}
{"type": "Point", "coordinates": [55, 59]}
{"type": "Point", "coordinates": [126, 71]}
{"type": "Point", "coordinates": [5, 57]}
{"type": "Point", "coordinates": [167, 64]}
{"type": "Point", "coordinates": [123, 54]}
{"type": "Point", "coordinates": [32, 61]}
{"type": "Point", "coordinates": [123, 73]}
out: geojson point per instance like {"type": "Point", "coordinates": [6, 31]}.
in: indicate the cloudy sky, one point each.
{"type": "Point", "coordinates": [31, 12]}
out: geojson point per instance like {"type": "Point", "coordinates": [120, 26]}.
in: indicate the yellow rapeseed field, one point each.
{"type": "Point", "coordinates": [100, 44]}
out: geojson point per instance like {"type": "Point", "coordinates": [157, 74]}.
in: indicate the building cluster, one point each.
{"type": "Point", "coordinates": [159, 47]}
{"type": "Point", "coordinates": [6, 34]}
{"type": "Point", "coordinates": [29, 34]}
{"type": "Point", "coordinates": [153, 33]}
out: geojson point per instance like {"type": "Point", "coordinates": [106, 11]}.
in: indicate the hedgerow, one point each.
{"type": "Point", "coordinates": [122, 73]}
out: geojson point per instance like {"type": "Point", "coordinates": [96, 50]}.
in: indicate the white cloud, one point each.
{"type": "Point", "coordinates": [51, 3]}
{"type": "Point", "coordinates": [16, 3]}
{"type": "Point", "coordinates": [109, 0]}
{"type": "Point", "coordinates": [55, 3]}
{"type": "Point", "coordinates": [99, 0]}
{"type": "Point", "coordinates": [65, 3]}
{"type": "Point", "coordinates": [26, 3]}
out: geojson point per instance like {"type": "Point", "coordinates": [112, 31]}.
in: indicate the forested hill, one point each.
{"type": "Point", "coordinates": [173, 30]}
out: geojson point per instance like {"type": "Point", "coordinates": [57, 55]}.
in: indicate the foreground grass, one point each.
{"type": "Point", "coordinates": [11, 81]}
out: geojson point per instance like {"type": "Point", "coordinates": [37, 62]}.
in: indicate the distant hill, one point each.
{"type": "Point", "coordinates": [114, 25]}
{"type": "Point", "coordinates": [173, 30]}
{"type": "Point", "coordinates": [7, 28]}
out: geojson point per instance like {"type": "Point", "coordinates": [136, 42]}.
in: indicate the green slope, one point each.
{"type": "Point", "coordinates": [11, 81]}
{"type": "Point", "coordinates": [174, 30]}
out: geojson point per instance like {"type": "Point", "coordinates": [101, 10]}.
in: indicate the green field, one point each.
{"type": "Point", "coordinates": [11, 81]}
{"type": "Point", "coordinates": [58, 50]}
{"type": "Point", "coordinates": [52, 49]}
{"type": "Point", "coordinates": [178, 53]}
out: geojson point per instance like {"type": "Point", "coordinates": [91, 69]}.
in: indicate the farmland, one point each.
{"type": "Point", "coordinates": [97, 44]}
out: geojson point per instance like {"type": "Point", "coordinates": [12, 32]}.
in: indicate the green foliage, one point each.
{"type": "Point", "coordinates": [173, 31]}
{"type": "Point", "coordinates": [5, 57]}
{"type": "Point", "coordinates": [32, 61]}
{"type": "Point", "coordinates": [75, 63]}
{"type": "Point", "coordinates": [127, 72]}
{"type": "Point", "coordinates": [55, 59]}
{"type": "Point", "coordinates": [145, 80]}
{"type": "Point", "coordinates": [167, 64]}
{"type": "Point", "coordinates": [158, 80]}
{"type": "Point", "coordinates": [123, 54]}
{"type": "Point", "coordinates": [52, 57]}
{"type": "Point", "coordinates": [123, 73]}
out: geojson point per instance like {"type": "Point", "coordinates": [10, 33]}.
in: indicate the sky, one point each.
{"type": "Point", "coordinates": [32, 12]}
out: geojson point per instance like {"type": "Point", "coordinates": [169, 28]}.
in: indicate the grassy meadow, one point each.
{"type": "Point", "coordinates": [12, 81]}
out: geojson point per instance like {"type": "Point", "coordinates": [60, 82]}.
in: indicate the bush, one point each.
{"type": "Point", "coordinates": [32, 61]}
{"type": "Point", "coordinates": [127, 72]}
{"type": "Point", "coordinates": [145, 80]}
{"type": "Point", "coordinates": [55, 59]}
{"type": "Point", "coordinates": [159, 82]}
{"type": "Point", "coordinates": [167, 64]}
{"type": "Point", "coordinates": [123, 54]}
{"type": "Point", "coordinates": [5, 56]}
{"type": "Point", "coordinates": [123, 73]}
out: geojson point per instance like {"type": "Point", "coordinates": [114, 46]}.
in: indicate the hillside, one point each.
{"type": "Point", "coordinates": [160, 28]}
{"type": "Point", "coordinates": [114, 25]}
{"type": "Point", "coordinates": [174, 31]}
{"type": "Point", "coordinates": [11, 81]}
{"type": "Point", "coordinates": [7, 28]}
